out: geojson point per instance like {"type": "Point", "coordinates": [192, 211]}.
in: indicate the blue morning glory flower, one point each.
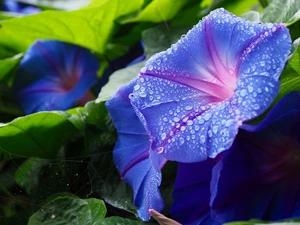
{"type": "Point", "coordinates": [189, 101]}
{"type": "Point", "coordinates": [13, 6]}
{"type": "Point", "coordinates": [193, 97]}
{"type": "Point", "coordinates": [258, 177]}
{"type": "Point", "coordinates": [54, 75]}
{"type": "Point", "coordinates": [138, 166]}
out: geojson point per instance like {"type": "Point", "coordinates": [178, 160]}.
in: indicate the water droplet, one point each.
{"type": "Point", "coordinates": [181, 140]}
{"type": "Point", "coordinates": [189, 122]}
{"type": "Point", "coordinates": [163, 136]}
{"type": "Point", "coordinates": [250, 89]}
{"type": "Point", "coordinates": [160, 150]}
{"type": "Point", "coordinates": [137, 87]}
{"type": "Point", "coordinates": [202, 139]}
{"type": "Point", "coordinates": [255, 106]}
{"type": "Point", "coordinates": [182, 128]}
{"type": "Point", "coordinates": [150, 67]}
{"type": "Point", "coordinates": [229, 123]}
{"type": "Point", "coordinates": [131, 96]}
{"type": "Point", "coordinates": [200, 120]}
{"type": "Point", "coordinates": [143, 94]}
{"type": "Point", "coordinates": [188, 107]}
{"type": "Point", "coordinates": [215, 129]}
{"type": "Point", "coordinates": [176, 119]}
{"type": "Point", "coordinates": [207, 116]}
{"type": "Point", "coordinates": [143, 70]}
{"type": "Point", "coordinates": [243, 92]}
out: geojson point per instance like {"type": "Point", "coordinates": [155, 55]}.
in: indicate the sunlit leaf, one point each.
{"type": "Point", "coordinates": [89, 27]}
{"type": "Point", "coordinates": [290, 78]}
{"type": "Point", "coordinates": [282, 11]}
{"type": "Point", "coordinates": [70, 210]}
{"type": "Point", "coordinates": [159, 11]}
{"type": "Point", "coordinates": [40, 135]}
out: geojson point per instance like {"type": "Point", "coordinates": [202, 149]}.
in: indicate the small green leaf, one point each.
{"type": "Point", "coordinates": [115, 220]}
{"type": "Point", "coordinates": [90, 27]}
{"type": "Point", "coordinates": [27, 174]}
{"type": "Point", "coordinates": [118, 79]}
{"type": "Point", "coordinates": [290, 78]}
{"type": "Point", "coordinates": [156, 39]}
{"type": "Point", "coordinates": [281, 11]}
{"type": "Point", "coordinates": [70, 210]}
{"type": "Point", "coordinates": [159, 11]}
{"type": "Point", "coordinates": [252, 16]}
{"type": "Point", "coordinates": [239, 7]}
{"type": "Point", "coordinates": [8, 64]}
{"type": "Point", "coordinates": [37, 135]}
{"type": "Point", "coordinates": [160, 38]}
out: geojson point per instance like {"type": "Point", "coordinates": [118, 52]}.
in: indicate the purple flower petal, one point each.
{"type": "Point", "coordinates": [137, 165]}
{"type": "Point", "coordinates": [192, 192]}
{"type": "Point", "coordinates": [193, 97]}
{"type": "Point", "coordinates": [13, 6]}
{"type": "Point", "coordinates": [54, 76]}
{"type": "Point", "coordinates": [258, 177]}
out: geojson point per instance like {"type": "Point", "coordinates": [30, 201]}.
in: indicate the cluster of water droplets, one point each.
{"type": "Point", "coordinates": [183, 122]}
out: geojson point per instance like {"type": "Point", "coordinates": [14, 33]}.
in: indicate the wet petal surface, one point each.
{"type": "Point", "coordinates": [258, 177]}
{"type": "Point", "coordinates": [137, 164]}
{"type": "Point", "coordinates": [193, 97]}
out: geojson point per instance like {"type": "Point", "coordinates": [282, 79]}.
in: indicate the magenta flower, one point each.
{"type": "Point", "coordinates": [193, 97]}
{"type": "Point", "coordinates": [54, 75]}
{"type": "Point", "coordinates": [258, 177]}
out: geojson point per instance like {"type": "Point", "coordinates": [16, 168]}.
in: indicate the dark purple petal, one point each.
{"type": "Point", "coordinates": [137, 164]}
{"type": "Point", "coordinates": [193, 97]}
{"type": "Point", "coordinates": [258, 177]}
{"type": "Point", "coordinates": [192, 191]}
{"type": "Point", "coordinates": [14, 6]}
{"type": "Point", "coordinates": [54, 76]}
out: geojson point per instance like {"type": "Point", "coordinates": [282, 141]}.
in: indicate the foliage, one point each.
{"type": "Point", "coordinates": [57, 167]}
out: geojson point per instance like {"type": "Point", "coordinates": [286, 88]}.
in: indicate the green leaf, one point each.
{"type": "Point", "coordinates": [8, 64]}
{"type": "Point", "coordinates": [90, 27]}
{"type": "Point", "coordinates": [37, 135]}
{"type": "Point", "coordinates": [159, 11]}
{"type": "Point", "coordinates": [70, 210]}
{"type": "Point", "coordinates": [27, 174]}
{"type": "Point", "coordinates": [58, 4]}
{"type": "Point", "coordinates": [282, 11]}
{"type": "Point", "coordinates": [290, 78]}
{"type": "Point", "coordinates": [252, 16]}
{"type": "Point", "coordinates": [156, 39]}
{"type": "Point", "coordinates": [115, 220]}
{"type": "Point", "coordinates": [160, 38]}
{"type": "Point", "coordinates": [239, 7]}
{"type": "Point", "coordinates": [118, 79]}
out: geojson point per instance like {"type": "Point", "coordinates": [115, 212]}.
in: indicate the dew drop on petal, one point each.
{"type": "Point", "coordinates": [207, 116]}
{"type": "Point", "coordinates": [202, 139]}
{"type": "Point", "coordinates": [243, 92]}
{"type": "Point", "coordinates": [160, 150]}
{"type": "Point", "coordinates": [163, 136]}
{"type": "Point", "coordinates": [188, 107]}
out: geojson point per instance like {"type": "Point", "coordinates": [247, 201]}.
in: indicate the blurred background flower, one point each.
{"type": "Point", "coordinates": [54, 75]}
{"type": "Point", "coordinates": [16, 7]}
{"type": "Point", "coordinates": [256, 178]}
